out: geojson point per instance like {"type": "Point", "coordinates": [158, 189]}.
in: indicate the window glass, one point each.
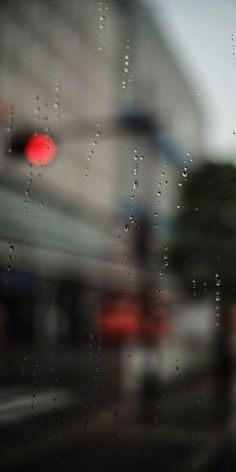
{"type": "Point", "coordinates": [117, 235]}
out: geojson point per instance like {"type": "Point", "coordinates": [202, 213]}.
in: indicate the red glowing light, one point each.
{"type": "Point", "coordinates": [40, 149]}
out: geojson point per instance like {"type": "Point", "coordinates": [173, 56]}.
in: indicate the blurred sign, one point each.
{"type": "Point", "coordinates": [122, 319]}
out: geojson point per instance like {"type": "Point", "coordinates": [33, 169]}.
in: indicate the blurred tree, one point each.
{"type": "Point", "coordinates": [205, 243]}
{"type": "Point", "coordinates": [204, 256]}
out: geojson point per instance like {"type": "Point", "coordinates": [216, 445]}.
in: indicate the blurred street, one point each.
{"type": "Point", "coordinates": [71, 410]}
{"type": "Point", "coordinates": [117, 236]}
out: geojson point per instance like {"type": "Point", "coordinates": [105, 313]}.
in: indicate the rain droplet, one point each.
{"type": "Point", "coordinates": [126, 227]}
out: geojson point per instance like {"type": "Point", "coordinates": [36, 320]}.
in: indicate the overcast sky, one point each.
{"type": "Point", "coordinates": [203, 35]}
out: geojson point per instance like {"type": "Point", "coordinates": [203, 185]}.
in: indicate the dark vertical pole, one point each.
{"type": "Point", "coordinates": [149, 387]}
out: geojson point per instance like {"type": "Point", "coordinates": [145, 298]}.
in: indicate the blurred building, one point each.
{"type": "Point", "coordinates": [88, 72]}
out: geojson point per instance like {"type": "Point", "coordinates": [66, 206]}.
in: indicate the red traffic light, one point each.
{"type": "Point", "coordinates": [40, 149]}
